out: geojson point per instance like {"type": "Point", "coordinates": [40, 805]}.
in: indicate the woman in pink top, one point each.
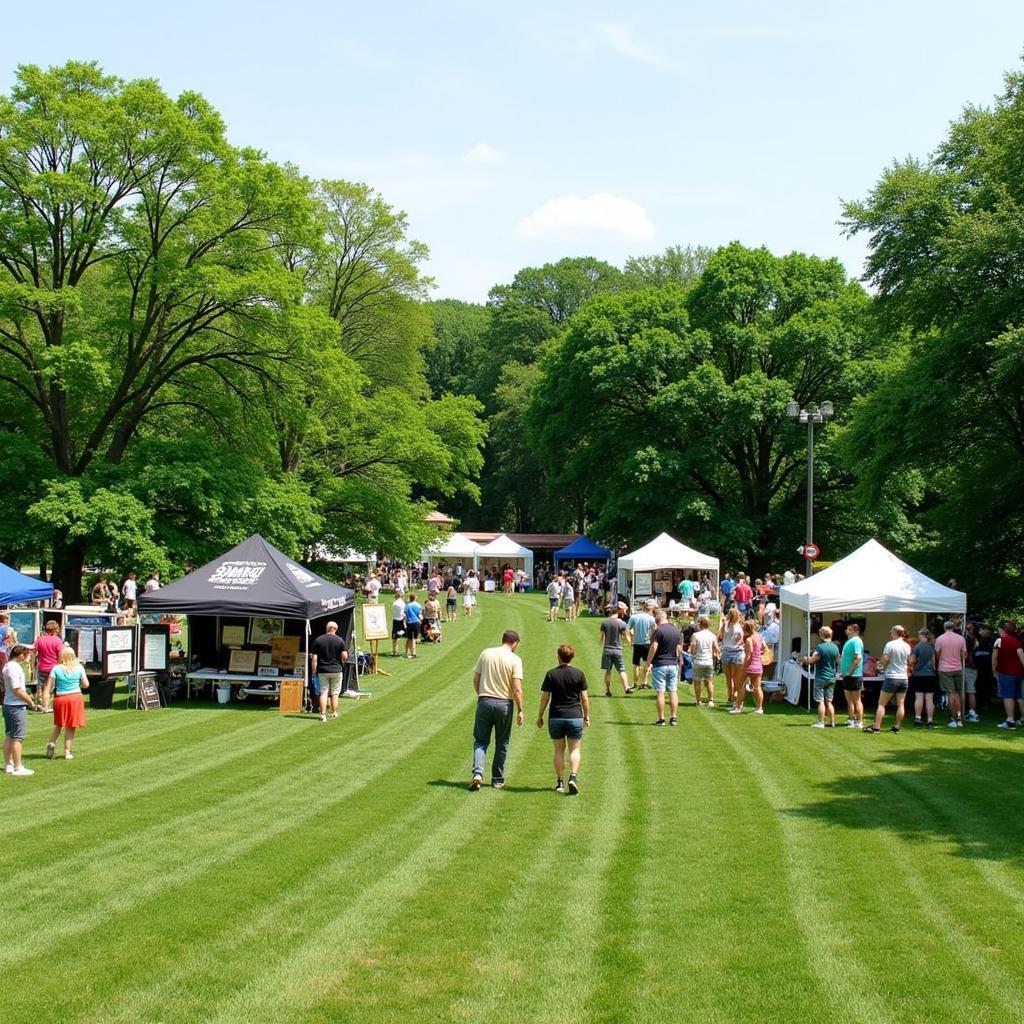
{"type": "Point", "coordinates": [753, 645]}
{"type": "Point", "coordinates": [48, 647]}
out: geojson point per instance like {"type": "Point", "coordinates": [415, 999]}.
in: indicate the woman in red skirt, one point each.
{"type": "Point", "coordinates": [67, 680]}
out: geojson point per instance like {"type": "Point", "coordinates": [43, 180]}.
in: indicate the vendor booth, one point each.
{"type": "Point", "coordinates": [452, 549]}
{"type": "Point", "coordinates": [654, 571]}
{"type": "Point", "coordinates": [582, 549]}
{"type": "Point", "coordinates": [252, 614]}
{"type": "Point", "coordinates": [870, 586]}
{"type": "Point", "coordinates": [502, 551]}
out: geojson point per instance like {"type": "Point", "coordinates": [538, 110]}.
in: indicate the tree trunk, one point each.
{"type": "Point", "coordinates": [67, 566]}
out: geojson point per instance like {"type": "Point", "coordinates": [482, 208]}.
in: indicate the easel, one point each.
{"type": "Point", "coordinates": [375, 669]}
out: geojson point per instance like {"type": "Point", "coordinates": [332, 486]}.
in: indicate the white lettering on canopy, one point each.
{"type": "Point", "coordinates": [237, 575]}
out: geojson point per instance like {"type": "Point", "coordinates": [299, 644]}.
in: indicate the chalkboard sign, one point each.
{"type": "Point", "coordinates": [147, 693]}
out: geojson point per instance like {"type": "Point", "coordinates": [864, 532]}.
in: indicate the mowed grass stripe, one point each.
{"type": "Point", "coordinates": [918, 928]}
{"type": "Point", "coordinates": [269, 808]}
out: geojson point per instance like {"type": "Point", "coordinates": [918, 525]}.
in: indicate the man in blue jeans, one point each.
{"type": "Point", "coordinates": [663, 665]}
{"type": "Point", "coordinates": [498, 681]}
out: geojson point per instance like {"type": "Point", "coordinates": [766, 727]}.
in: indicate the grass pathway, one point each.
{"type": "Point", "coordinates": [229, 864]}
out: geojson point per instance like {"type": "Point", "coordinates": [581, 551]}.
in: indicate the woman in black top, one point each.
{"type": "Point", "coordinates": [565, 688]}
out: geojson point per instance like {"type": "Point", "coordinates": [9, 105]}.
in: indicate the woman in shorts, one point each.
{"type": "Point", "coordinates": [565, 689]}
{"type": "Point", "coordinates": [449, 603]}
{"type": "Point", "coordinates": [67, 680]}
{"type": "Point", "coordinates": [730, 637]}
{"type": "Point", "coordinates": [923, 678]}
{"type": "Point", "coordinates": [752, 668]}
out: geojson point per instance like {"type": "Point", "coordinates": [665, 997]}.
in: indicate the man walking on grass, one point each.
{"type": "Point", "coordinates": [328, 662]}
{"type": "Point", "coordinates": [663, 665]}
{"type": "Point", "coordinates": [611, 631]}
{"type": "Point", "coordinates": [498, 681]}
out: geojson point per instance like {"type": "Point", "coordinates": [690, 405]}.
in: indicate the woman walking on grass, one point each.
{"type": "Point", "coordinates": [565, 688]}
{"type": "Point", "coordinates": [67, 679]}
{"type": "Point", "coordinates": [752, 668]}
{"type": "Point", "coordinates": [730, 636]}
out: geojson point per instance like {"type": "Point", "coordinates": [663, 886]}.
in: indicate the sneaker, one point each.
{"type": "Point", "coordinates": [1008, 724]}
{"type": "Point", "coordinates": [931, 725]}
{"type": "Point", "coordinates": [871, 728]}
{"type": "Point", "coordinates": [559, 786]}
{"type": "Point", "coordinates": [748, 687]}
{"type": "Point", "coordinates": [498, 784]}
{"type": "Point", "coordinates": [817, 725]}
{"type": "Point", "coordinates": [758, 711]}
{"type": "Point", "coordinates": [918, 723]}
{"type": "Point", "coordinates": [735, 711]}
{"type": "Point", "coordinates": [851, 724]}
{"type": "Point", "coordinates": [323, 717]}
{"type": "Point", "coordinates": [9, 768]}
{"type": "Point", "coordinates": [68, 756]}
{"type": "Point", "coordinates": [953, 724]}
{"type": "Point", "coordinates": [334, 714]}
{"type": "Point", "coordinates": [607, 693]}
{"type": "Point", "coordinates": [22, 771]}
{"type": "Point", "coordinates": [894, 728]}
{"type": "Point", "coordinates": [50, 748]}
{"type": "Point", "coordinates": [972, 716]}
{"type": "Point", "coordinates": [673, 720]}
{"type": "Point", "coordinates": [474, 783]}
{"type": "Point", "coordinates": [574, 786]}
{"type": "Point", "coordinates": [711, 703]}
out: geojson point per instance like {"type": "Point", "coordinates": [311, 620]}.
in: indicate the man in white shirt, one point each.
{"type": "Point", "coordinates": [498, 681]}
{"type": "Point", "coordinates": [397, 623]}
{"type": "Point", "coordinates": [373, 588]}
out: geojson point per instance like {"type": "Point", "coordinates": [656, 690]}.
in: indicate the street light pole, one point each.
{"type": "Point", "coordinates": [810, 415]}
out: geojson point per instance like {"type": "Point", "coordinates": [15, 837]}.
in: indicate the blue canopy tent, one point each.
{"type": "Point", "coordinates": [17, 588]}
{"type": "Point", "coordinates": [582, 549]}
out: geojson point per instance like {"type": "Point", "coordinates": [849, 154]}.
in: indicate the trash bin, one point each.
{"type": "Point", "coordinates": [223, 693]}
{"type": "Point", "coordinates": [101, 693]}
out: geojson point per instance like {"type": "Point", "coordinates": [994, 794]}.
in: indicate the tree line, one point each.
{"type": "Point", "coordinates": [196, 343]}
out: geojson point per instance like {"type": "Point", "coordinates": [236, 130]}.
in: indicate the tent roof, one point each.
{"type": "Point", "coordinates": [504, 545]}
{"type": "Point", "coordinates": [17, 588]}
{"type": "Point", "coordinates": [454, 545]}
{"type": "Point", "coordinates": [872, 579]}
{"type": "Point", "coordinates": [584, 548]}
{"type": "Point", "coordinates": [665, 552]}
{"type": "Point", "coordinates": [253, 578]}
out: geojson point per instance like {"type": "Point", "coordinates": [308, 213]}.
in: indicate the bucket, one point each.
{"type": "Point", "coordinates": [223, 693]}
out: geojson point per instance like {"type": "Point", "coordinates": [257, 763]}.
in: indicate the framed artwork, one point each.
{"type": "Point", "coordinates": [375, 622]}
{"type": "Point", "coordinates": [118, 640]}
{"type": "Point", "coordinates": [262, 631]}
{"type": "Point", "coordinates": [232, 636]}
{"type": "Point", "coordinates": [642, 584]}
{"type": "Point", "coordinates": [284, 652]}
{"type": "Point", "coordinates": [243, 662]}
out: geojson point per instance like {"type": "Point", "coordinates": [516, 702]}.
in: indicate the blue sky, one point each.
{"type": "Point", "coordinates": [514, 135]}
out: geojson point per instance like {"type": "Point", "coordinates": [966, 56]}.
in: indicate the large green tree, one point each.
{"type": "Point", "coordinates": [942, 440]}
{"type": "Point", "coordinates": [665, 408]}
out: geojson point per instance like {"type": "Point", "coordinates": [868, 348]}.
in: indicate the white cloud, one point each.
{"type": "Point", "coordinates": [483, 153]}
{"type": "Point", "coordinates": [620, 40]}
{"type": "Point", "coordinates": [569, 218]}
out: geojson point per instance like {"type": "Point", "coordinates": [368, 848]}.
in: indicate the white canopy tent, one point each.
{"type": "Point", "coordinates": [503, 550]}
{"type": "Point", "coordinates": [453, 548]}
{"type": "Point", "coordinates": [870, 583]}
{"type": "Point", "coordinates": [663, 553]}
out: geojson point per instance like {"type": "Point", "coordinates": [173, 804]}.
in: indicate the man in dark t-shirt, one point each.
{"type": "Point", "coordinates": [327, 662]}
{"type": "Point", "coordinates": [663, 665]}
{"type": "Point", "coordinates": [565, 688]}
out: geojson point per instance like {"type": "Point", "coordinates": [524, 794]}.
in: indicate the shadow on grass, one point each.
{"type": "Point", "coordinates": [464, 785]}
{"type": "Point", "coordinates": [965, 796]}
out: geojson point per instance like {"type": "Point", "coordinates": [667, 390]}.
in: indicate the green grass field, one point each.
{"type": "Point", "coordinates": [215, 864]}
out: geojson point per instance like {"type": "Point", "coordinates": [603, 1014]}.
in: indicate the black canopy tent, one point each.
{"type": "Point", "coordinates": [252, 579]}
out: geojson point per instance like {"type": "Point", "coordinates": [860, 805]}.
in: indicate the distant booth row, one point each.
{"type": "Point", "coordinates": [654, 572]}
{"type": "Point", "coordinates": [252, 614]}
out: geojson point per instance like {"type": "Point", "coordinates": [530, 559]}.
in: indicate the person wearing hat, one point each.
{"type": "Point", "coordinates": [951, 657]}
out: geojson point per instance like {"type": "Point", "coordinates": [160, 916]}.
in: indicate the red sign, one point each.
{"type": "Point", "coordinates": [811, 551]}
